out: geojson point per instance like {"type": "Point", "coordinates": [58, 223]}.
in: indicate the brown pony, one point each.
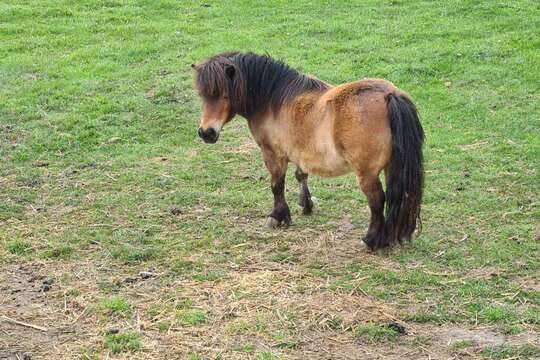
{"type": "Point", "coordinates": [365, 126]}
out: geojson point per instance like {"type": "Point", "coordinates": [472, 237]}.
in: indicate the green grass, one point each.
{"type": "Point", "coordinates": [18, 247]}
{"type": "Point", "coordinates": [98, 145]}
{"type": "Point", "coordinates": [190, 317]}
{"type": "Point", "coordinates": [283, 339]}
{"type": "Point", "coordinates": [245, 348]}
{"type": "Point", "coordinates": [124, 342]}
{"type": "Point", "coordinates": [527, 351]}
{"type": "Point", "coordinates": [462, 344]}
{"type": "Point", "coordinates": [374, 333]}
{"type": "Point", "coordinates": [115, 305]}
{"type": "Point", "coordinates": [266, 356]}
{"type": "Point", "coordinates": [163, 326]}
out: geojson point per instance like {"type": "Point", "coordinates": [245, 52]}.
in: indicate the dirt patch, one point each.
{"type": "Point", "coordinates": [268, 306]}
{"type": "Point", "coordinates": [473, 146]}
{"type": "Point", "coordinates": [248, 147]}
{"type": "Point", "coordinates": [191, 153]}
{"type": "Point", "coordinates": [446, 336]}
{"type": "Point", "coordinates": [28, 295]}
{"type": "Point", "coordinates": [160, 159]}
{"type": "Point", "coordinates": [57, 298]}
{"type": "Point", "coordinates": [484, 272]}
{"type": "Point", "coordinates": [343, 245]}
{"type": "Point", "coordinates": [531, 284]}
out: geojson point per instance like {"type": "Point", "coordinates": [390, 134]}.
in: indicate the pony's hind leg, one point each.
{"type": "Point", "coordinates": [371, 186]}
{"type": "Point", "coordinates": [280, 215]}
{"type": "Point", "coordinates": [305, 197]}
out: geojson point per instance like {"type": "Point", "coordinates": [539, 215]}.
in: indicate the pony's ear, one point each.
{"type": "Point", "coordinates": [230, 71]}
{"type": "Point", "coordinates": [193, 66]}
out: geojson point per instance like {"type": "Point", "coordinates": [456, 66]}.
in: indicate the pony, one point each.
{"type": "Point", "coordinates": [366, 127]}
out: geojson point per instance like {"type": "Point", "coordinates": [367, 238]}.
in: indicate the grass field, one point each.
{"type": "Point", "coordinates": [102, 177]}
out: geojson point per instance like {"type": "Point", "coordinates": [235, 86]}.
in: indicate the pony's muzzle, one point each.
{"type": "Point", "coordinates": [209, 135]}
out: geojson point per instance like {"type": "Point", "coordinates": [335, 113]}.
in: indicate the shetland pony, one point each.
{"type": "Point", "coordinates": [366, 126]}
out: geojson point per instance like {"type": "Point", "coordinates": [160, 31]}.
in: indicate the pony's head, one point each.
{"type": "Point", "coordinates": [218, 83]}
{"type": "Point", "coordinates": [245, 84]}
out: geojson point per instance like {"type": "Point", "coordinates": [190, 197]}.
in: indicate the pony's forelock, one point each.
{"type": "Point", "coordinates": [211, 79]}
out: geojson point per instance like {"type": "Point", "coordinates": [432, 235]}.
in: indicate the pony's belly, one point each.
{"type": "Point", "coordinates": [326, 164]}
{"type": "Point", "coordinates": [328, 171]}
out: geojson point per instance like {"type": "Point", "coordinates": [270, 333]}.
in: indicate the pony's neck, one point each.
{"type": "Point", "coordinates": [269, 84]}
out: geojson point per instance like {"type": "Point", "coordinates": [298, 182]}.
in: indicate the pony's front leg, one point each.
{"type": "Point", "coordinates": [280, 215]}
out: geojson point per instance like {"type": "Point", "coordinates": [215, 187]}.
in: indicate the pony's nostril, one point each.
{"type": "Point", "coordinates": [209, 135]}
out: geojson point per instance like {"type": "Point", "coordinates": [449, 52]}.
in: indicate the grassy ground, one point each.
{"type": "Point", "coordinates": [102, 177]}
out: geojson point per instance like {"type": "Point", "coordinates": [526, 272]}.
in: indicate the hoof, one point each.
{"type": "Point", "coordinates": [287, 222]}
{"type": "Point", "coordinates": [368, 243]}
{"type": "Point", "coordinates": [376, 241]}
{"type": "Point", "coordinates": [307, 206]}
{"type": "Point", "coordinates": [271, 223]}
{"type": "Point", "coordinates": [307, 210]}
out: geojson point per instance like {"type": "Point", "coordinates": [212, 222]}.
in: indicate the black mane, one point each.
{"type": "Point", "coordinates": [252, 82]}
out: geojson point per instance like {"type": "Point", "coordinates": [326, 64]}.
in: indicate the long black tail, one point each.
{"type": "Point", "coordinates": [406, 176]}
